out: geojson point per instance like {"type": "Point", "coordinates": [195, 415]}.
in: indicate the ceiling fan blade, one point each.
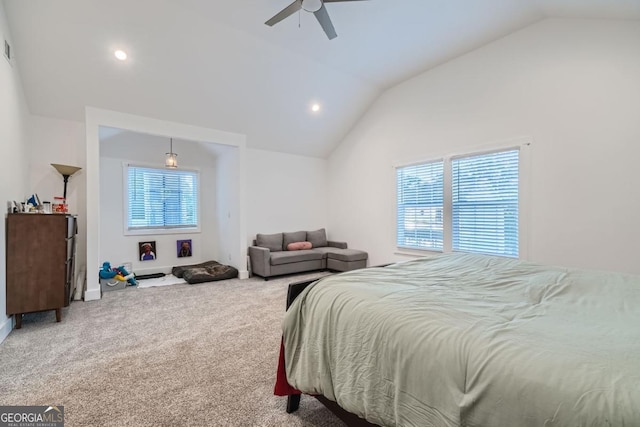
{"type": "Point", "coordinates": [284, 13]}
{"type": "Point", "coordinates": [324, 20]}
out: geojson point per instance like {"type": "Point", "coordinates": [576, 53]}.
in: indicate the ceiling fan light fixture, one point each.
{"type": "Point", "coordinates": [311, 5]}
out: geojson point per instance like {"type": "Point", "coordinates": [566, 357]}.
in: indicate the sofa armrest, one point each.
{"type": "Point", "coordinates": [259, 258]}
{"type": "Point", "coordinates": [341, 245]}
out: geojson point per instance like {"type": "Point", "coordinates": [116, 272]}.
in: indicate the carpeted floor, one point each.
{"type": "Point", "coordinates": [180, 355]}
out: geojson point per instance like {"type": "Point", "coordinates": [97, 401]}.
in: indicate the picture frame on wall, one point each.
{"type": "Point", "coordinates": [147, 250]}
{"type": "Point", "coordinates": [184, 248]}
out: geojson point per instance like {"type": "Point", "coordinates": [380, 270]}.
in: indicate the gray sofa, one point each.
{"type": "Point", "coordinates": [273, 254]}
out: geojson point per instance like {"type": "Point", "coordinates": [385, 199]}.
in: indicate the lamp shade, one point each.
{"type": "Point", "coordinates": [65, 169]}
{"type": "Point", "coordinates": [171, 160]}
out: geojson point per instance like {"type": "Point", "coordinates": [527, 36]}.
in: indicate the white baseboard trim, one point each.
{"type": "Point", "coordinates": [243, 274]}
{"type": "Point", "coordinates": [92, 294]}
{"type": "Point", "coordinates": [6, 328]}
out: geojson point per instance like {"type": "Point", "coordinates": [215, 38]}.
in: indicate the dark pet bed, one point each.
{"type": "Point", "coordinates": [208, 271]}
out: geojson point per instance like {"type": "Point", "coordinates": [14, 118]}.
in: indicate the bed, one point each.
{"type": "Point", "coordinates": [467, 340]}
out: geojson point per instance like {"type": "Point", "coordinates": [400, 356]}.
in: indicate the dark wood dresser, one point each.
{"type": "Point", "coordinates": [40, 263]}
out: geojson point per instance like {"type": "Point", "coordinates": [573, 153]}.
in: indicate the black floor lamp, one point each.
{"type": "Point", "coordinates": [66, 172]}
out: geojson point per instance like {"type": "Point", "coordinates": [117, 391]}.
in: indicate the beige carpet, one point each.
{"type": "Point", "coordinates": [180, 355]}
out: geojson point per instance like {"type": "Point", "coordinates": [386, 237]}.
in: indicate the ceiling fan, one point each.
{"type": "Point", "coordinates": [314, 6]}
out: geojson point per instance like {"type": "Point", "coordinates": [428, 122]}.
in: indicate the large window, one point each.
{"type": "Point", "coordinates": [161, 198]}
{"type": "Point", "coordinates": [420, 203]}
{"type": "Point", "coordinates": [476, 211]}
{"type": "Point", "coordinates": [485, 203]}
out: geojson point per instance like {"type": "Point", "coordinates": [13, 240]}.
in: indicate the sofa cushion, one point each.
{"type": "Point", "coordinates": [318, 238]}
{"type": "Point", "coordinates": [347, 255]}
{"type": "Point", "coordinates": [326, 250]}
{"type": "Point", "coordinates": [287, 257]}
{"type": "Point", "coordinates": [292, 237]}
{"type": "Point", "coordinates": [273, 242]}
{"type": "Point", "coordinates": [297, 246]}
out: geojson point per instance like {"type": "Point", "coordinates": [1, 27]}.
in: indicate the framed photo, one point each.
{"type": "Point", "coordinates": [147, 250]}
{"type": "Point", "coordinates": [183, 248]}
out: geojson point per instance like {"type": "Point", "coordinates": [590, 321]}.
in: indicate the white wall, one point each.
{"type": "Point", "coordinates": [285, 192]}
{"type": "Point", "coordinates": [15, 144]}
{"type": "Point", "coordinates": [62, 142]}
{"type": "Point", "coordinates": [573, 86]}
{"type": "Point", "coordinates": [148, 150]}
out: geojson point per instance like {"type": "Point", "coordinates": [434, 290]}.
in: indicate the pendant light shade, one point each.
{"type": "Point", "coordinates": [171, 158]}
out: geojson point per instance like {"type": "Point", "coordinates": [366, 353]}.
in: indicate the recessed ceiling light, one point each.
{"type": "Point", "coordinates": [120, 54]}
{"type": "Point", "coordinates": [315, 108]}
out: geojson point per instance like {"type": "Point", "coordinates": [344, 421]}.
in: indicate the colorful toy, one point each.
{"type": "Point", "coordinates": [118, 273]}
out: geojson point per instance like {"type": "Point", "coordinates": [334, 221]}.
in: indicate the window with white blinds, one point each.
{"type": "Point", "coordinates": [161, 198]}
{"type": "Point", "coordinates": [485, 203]}
{"type": "Point", "coordinates": [420, 195]}
{"type": "Point", "coordinates": [477, 211]}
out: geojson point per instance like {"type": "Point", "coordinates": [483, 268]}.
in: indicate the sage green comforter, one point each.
{"type": "Point", "coordinates": [471, 340]}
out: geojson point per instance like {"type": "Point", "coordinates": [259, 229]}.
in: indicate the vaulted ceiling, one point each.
{"type": "Point", "coordinates": [215, 64]}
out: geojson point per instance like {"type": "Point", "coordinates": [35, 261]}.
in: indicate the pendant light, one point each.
{"type": "Point", "coordinates": [171, 158]}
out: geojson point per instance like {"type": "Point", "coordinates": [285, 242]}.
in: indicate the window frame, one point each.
{"type": "Point", "coordinates": [523, 145]}
{"type": "Point", "coordinates": [161, 230]}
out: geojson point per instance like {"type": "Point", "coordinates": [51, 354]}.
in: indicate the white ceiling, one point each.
{"type": "Point", "coordinates": [214, 64]}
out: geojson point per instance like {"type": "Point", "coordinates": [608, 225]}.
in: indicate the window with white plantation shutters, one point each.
{"type": "Point", "coordinates": [485, 203]}
{"type": "Point", "coordinates": [161, 198]}
{"type": "Point", "coordinates": [420, 202]}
